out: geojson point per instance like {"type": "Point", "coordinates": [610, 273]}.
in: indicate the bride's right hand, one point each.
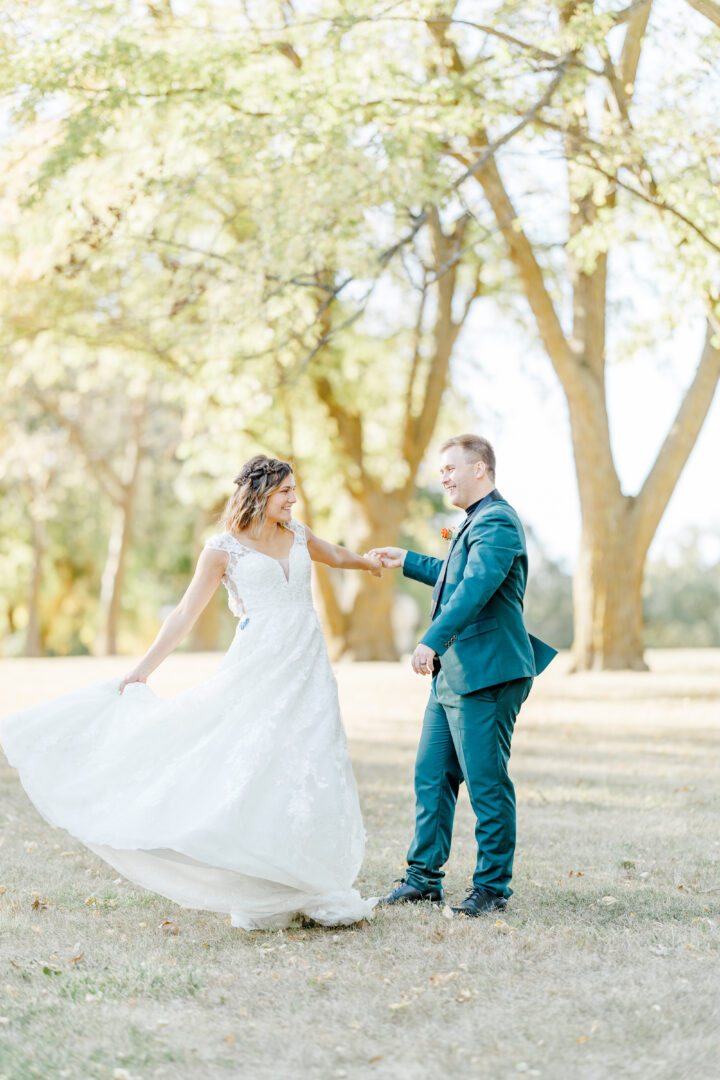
{"type": "Point", "coordinates": [134, 676]}
{"type": "Point", "coordinates": [391, 558]}
{"type": "Point", "coordinates": [376, 567]}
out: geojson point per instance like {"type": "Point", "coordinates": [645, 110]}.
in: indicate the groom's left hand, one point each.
{"type": "Point", "coordinates": [422, 660]}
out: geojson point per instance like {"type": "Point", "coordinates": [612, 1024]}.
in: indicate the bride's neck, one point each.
{"type": "Point", "coordinates": [268, 532]}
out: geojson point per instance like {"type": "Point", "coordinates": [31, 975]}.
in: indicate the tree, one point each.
{"type": "Point", "coordinates": [449, 281]}
{"type": "Point", "coordinates": [620, 161]}
{"type": "Point", "coordinates": [248, 194]}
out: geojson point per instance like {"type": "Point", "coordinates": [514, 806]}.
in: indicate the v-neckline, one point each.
{"type": "Point", "coordinates": [271, 557]}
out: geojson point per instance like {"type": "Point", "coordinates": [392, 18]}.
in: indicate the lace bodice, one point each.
{"type": "Point", "coordinates": [256, 582]}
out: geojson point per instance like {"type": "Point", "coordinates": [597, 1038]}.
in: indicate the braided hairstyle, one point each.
{"type": "Point", "coordinates": [256, 481]}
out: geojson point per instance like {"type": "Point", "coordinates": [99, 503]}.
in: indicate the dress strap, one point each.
{"type": "Point", "coordinates": [223, 542]}
{"type": "Point", "coordinates": [299, 530]}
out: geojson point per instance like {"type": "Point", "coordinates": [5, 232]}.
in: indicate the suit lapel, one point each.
{"type": "Point", "coordinates": [437, 591]}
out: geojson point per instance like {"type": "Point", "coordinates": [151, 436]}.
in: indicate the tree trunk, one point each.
{"type": "Point", "coordinates": [369, 628]}
{"type": "Point", "coordinates": [33, 636]}
{"type": "Point", "coordinates": [369, 634]}
{"type": "Point", "coordinates": [607, 593]}
{"type": "Point", "coordinates": [113, 576]}
{"type": "Point", "coordinates": [113, 579]}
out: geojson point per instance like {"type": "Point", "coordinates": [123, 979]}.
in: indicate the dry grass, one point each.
{"type": "Point", "coordinates": [605, 965]}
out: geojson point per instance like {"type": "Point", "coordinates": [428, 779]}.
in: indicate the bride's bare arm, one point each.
{"type": "Point", "coordinates": [340, 557]}
{"type": "Point", "coordinates": [208, 574]}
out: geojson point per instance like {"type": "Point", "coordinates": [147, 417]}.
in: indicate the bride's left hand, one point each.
{"type": "Point", "coordinates": [375, 567]}
{"type": "Point", "coordinates": [133, 676]}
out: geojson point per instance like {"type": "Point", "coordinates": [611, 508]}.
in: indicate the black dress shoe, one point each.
{"type": "Point", "coordinates": [405, 893]}
{"type": "Point", "coordinates": [480, 902]}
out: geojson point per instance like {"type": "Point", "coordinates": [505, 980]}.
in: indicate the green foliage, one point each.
{"type": "Point", "coordinates": [221, 211]}
{"type": "Point", "coordinates": [682, 598]}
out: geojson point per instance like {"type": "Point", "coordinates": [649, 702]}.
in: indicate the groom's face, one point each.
{"type": "Point", "coordinates": [460, 478]}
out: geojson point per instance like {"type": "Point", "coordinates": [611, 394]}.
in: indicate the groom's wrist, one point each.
{"type": "Point", "coordinates": [410, 563]}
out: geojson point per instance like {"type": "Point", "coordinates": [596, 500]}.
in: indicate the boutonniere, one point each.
{"type": "Point", "coordinates": [449, 534]}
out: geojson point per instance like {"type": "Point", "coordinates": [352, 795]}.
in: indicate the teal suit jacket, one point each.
{"type": "Point", "coordinates": [477, 628]}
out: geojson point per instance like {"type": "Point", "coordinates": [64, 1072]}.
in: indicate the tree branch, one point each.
{"type": "Point", "coordinates": [659, 204]}
{"type": "Point", "coordinates": [660, 483]}
{"type": "Point", "coordinates": [349, 425]}
{"type": "Point", "coordinates": [105, 475]}
{"type": "Point", "coordinates": [709, 8]}
{"type": "Point", "coordinates": [419, 427]}
{"type": "Point", "coordinates": [632, 45]}
{"type": "Point", "coordinates": [482, 160]}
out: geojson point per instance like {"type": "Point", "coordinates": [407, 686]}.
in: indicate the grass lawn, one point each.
{"type": "Point", "coordinates": [606, 963]}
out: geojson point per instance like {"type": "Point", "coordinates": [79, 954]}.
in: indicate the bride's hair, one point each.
{"type": "Point", "coordinates": [256, 481]}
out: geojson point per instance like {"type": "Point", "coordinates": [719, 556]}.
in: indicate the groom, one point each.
{"type": "Point", "coordinates": [482, 661]}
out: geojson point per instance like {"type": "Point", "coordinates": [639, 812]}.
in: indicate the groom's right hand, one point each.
{"type": "Point", "coordinates": [392, 558]}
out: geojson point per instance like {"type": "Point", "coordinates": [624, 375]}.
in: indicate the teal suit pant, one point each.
{"type": "Point", "coordinates": [466, 737]}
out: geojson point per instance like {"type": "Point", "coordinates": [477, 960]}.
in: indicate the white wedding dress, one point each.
{"type": "Point", "coordinates": [236, 796]}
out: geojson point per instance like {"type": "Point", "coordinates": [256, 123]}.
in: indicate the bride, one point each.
{"type": "Point", "coordinates": [238, 795]}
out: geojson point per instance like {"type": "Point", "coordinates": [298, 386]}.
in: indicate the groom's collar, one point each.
{"type": "Point", "coordinates": [494, 494]}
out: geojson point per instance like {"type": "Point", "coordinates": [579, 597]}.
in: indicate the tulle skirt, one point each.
{"type": "Point", "coordinates": [235, 796]}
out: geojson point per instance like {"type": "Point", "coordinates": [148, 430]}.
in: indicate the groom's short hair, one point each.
{"type": "Point", "coordinates": [475, 448]}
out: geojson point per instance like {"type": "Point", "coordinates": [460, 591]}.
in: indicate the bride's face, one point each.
{"type": "Point", "coordinates": [281, 502]}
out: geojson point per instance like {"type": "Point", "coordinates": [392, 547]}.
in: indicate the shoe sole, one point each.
{"type": "Point", "coordinates": [477, 914]}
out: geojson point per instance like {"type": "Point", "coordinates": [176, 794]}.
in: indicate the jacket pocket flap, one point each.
{"type": "Point", "coordinates": [479, 627]}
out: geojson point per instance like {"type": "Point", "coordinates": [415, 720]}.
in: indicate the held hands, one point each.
{"type": "Point", "coordinates": [422, 659]}
{"type": "Point", "coordinates": [376, 567]}
{"type": "Point", "coordinates": [391, 558]}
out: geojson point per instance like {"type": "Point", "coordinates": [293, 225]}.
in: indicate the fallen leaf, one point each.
{"type": "Point", "coordinates": [378, 1057]}
{"type": "Point", "coordinates": [169, 927]}
{"type": "Point", "coordinates": [609, 900]}
{"type": "Point", "coordinates": [583, 1039]}
{"type": "Point", "coordinates": [39, 905]}
{"type": "Point", "coordinates": [230, 1039]}
{"type": "Point", "coordinates": [75, 959]}
{"type": "Point", "coordinates": [502, 927]}
{"type": "Point", "coordinates": [437, 979]}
